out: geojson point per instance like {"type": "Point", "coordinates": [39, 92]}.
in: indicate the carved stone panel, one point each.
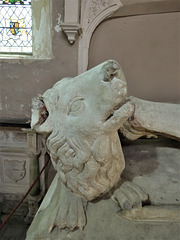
{"type": "Point", "coordinates": [14, 164]}
{"type": "Point", "coordinates": [15, 170]}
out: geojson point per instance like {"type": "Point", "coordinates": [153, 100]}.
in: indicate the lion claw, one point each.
{"type": "Point", "coordinates": [130, 195]}
{"type": "Point", "coordinates": [69, 212]}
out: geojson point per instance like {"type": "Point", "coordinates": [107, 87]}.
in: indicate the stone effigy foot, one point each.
{"type": "Point", "coordinates": [130, 195]}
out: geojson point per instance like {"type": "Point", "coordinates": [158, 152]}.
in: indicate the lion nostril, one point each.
{"type": "Point", "coordinates": [110, 74]}
{"type": "Point", "coordinates": [109, 77]}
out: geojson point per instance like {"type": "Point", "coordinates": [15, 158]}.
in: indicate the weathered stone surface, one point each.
{"type": "Point", "coordinates": [80, 117]}
{"type": "Point", "coordinates": [14, 229]}
{"type": "Point", "coordinates": [154, 166]}
{"type": "Point", "coordinates": [84, 147]}
{"type": "Point", "coordinates": [151, 119]}
{"type": "Point", "coordinates": [9, 201]}
{"type": "Point", "coordinates": [14, 176]}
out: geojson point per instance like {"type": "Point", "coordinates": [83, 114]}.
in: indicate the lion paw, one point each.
{"type": "Point", "coordinates": [130, 195]}
{"type": "Point", "coordinates": [70, 213]}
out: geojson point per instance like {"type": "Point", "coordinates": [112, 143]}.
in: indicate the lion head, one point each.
{"type": "Point", "coordinates": [81, 116]}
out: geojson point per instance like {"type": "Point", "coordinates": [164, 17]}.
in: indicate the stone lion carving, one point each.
{"type": "Point", "coordinates": [81, 117]}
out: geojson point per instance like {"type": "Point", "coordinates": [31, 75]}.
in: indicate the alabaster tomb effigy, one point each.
{"type": "Point", "coordinates": [98, 193]}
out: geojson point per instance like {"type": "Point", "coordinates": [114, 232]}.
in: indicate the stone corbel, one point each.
{"type": "Point", "coordinates": [71, 30]}
{"type": "Point", "coordinates": [71, 26]}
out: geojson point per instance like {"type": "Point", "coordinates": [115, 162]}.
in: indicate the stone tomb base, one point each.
{"type": "Point", "coordinates": [153, 165]}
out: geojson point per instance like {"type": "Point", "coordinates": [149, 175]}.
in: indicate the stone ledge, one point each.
{"type": "Point", "coordinates": [15, 122]}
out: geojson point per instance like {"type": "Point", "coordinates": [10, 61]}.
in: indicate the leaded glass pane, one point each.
{"type": "Point", "coordinates": [15, 26]}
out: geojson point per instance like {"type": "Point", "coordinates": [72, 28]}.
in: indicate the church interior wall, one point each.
{"type": "Point", "coordinates": [146, 47]}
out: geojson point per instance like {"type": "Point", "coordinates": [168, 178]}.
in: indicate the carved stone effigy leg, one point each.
{"type": "Point", "coordinates": [151, 119]}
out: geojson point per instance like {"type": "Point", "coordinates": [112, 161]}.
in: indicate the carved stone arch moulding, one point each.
{"type": "Point", "coordinates": [93, 12]}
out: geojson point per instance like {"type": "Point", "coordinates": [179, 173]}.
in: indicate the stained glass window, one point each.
{"type": "Point", "coordinates": [15, 26]}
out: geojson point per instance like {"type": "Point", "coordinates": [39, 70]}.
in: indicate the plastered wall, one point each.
{"type": "Point", "coordinates": [20, 80]}
{"type": "Point", "coordinates": [146, 46]}
{"type": "Point", "coordinates": [148, 49]}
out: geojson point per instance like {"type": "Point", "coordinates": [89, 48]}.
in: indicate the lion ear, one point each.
{"type": "Point", "coordinates": [41, 117]}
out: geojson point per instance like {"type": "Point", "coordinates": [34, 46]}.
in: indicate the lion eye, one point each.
{"type": "Point", "coordinates": [76, 106]}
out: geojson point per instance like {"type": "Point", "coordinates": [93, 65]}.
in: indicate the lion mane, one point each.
{"type": "Point", "coordinates": [89, 171]}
